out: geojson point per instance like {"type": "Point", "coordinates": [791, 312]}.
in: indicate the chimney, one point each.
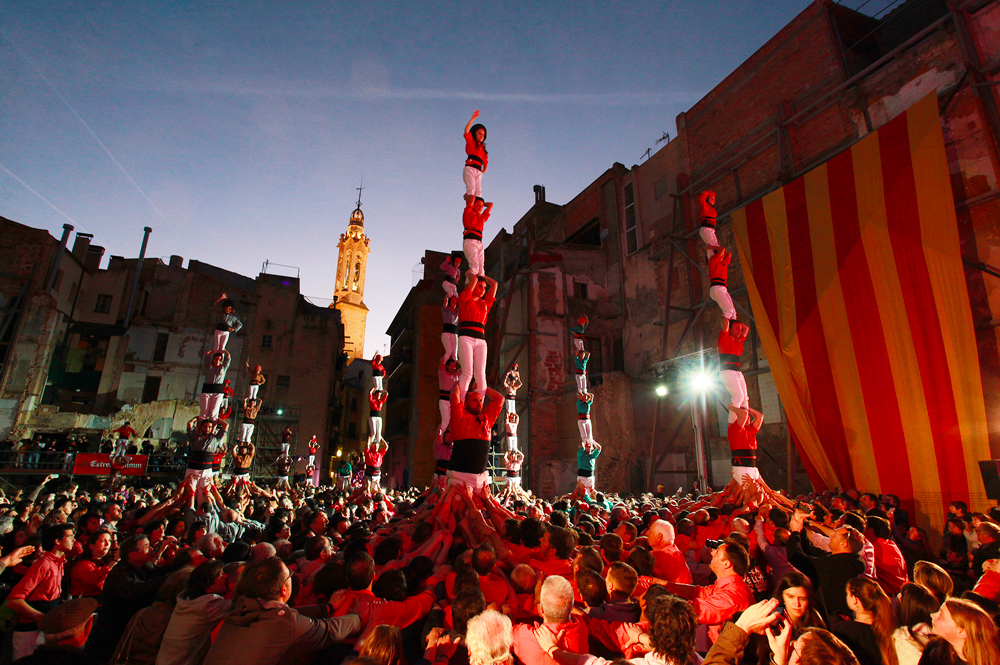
{"type": "Point", "coordinates": [176, 261]}
{"type": "Point", "coordinates": [81, 245]}
{"type": "Point", "coordinates": [539, 193]}
{"type": "Point", "coordinates": [94, 255]}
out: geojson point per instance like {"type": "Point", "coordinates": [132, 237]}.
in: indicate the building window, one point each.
{"type": "Point", "coordinates": [151, 389]}
{"type": "Point", "coordinates": [160, 348]}
{"type": "Point", "coordinates": [617, 355]}
{"type": "Point", "coordinates": [352, 430]}
{"type": "Point", "coordinates": [354, 405]}
{"type": "Point", "coordinates": [661, 187]}
{"type": "Point", "coordinates": [283, 381]}
{"type": "Point", "coordinates": [580, 290]}
{"type": "Point", "coordinates": [103, 304]}
{"type": "Point", "coordinates": [357, 276]}
{"type": "Point", "coordinates": [145, 301]}
{"type": "Point", "coordinates": [631, 233]}
{"type": "Point", "coordinates": [265, 341]}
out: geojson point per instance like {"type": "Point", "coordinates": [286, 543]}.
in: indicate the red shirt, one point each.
{"type": "Point", "coordinates": [87, 578]}
{"type": "Point", "coordinates": [473, 309]}
{"type": "Point", "coordinates": [890, 567]}
{"type": "Point", "coordinates": [716, 604]}
{"type": "Point", "coordinates": [730, 350]}
{"type": "Point", "coordinates": [526, 647]}
{"type": "Point", "coordinates": [374, 457]}
{"type": "Point", "coordinates": [125, 432]}
{"type": "Point", "coordinates": [554, 566]}
{"type": "Point", "coordinates": [465, 425]}
{"type": "Point", "coordinates": [474, 223]}
{"type": "Point", "coordinates": [377, 368]}
{"type": "Point", "coordinates": [43, 581]}
{"type": "Point", "coordinates": [476, 153]}
{"type": "Point", "coordinates": [671, 565]}
{"type": "Point", "coordinates": [737, 437]}
{"type": "Point", "coordinates": [718, 268]}
{"type": "Point", "coordinates": [376, 403]}
{"type": "Point", "coordinates": [988, 585]}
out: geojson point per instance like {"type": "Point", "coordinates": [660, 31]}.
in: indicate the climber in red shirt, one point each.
{"type": "Point", "coordinates": [708, 217]}
{"type": "Point", "coordinates": [473, 307]}
{"type": "Point", "coordinates": [731, 340]}
{"type": "Point", "coordinates": [471, 425]}
{"type": "Point", "coordinates": [476, 158]}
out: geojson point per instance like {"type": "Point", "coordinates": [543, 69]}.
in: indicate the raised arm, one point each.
{"type": "Point", "coordinates": [468, 125]}
{"type": "Point", "coordinates": [470, 281]}
{"type": "Point", "coordinates": [741, 414]}
{"type": "Point", "coordinates": [492, 291]}
{"type": "Point", "coordinates": [725, 324]}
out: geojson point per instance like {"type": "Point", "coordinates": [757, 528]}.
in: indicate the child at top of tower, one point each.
{"type": "Point", "coordinates": [476, 158]}
{"type": "Point", "coordinates": [708, 219]}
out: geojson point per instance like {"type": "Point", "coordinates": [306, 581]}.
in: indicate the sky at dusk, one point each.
{"type": "Point", "coordinates": [239, 130]}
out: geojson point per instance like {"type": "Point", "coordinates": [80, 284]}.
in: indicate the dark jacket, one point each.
{"type": "Point", "coordinates": [269, 632]}
{"type": "Point", "coordinates": [829, 573]}
{"type": "Point", "coordinates": [126, 591]}
{"type": "Point", "coordinates": [53, 654]}
{"type": "Point", "coordinates": [143, 635]}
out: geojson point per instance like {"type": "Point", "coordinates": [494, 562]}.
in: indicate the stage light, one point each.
{"type": "Point", "coordinates": [280, 411]}
{"type": "Point", "coordinates": [700, 381]}
{"type": "Point", "coordinates": [661, 391]}
{"type": "Point", "coordinates": [340, 452]}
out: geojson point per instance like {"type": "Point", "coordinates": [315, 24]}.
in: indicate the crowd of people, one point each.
{"type": "Point", "coordinates": [315, 575]}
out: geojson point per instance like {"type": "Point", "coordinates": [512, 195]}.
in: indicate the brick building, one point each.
{"type": "Point", "coordinates": [77, 359]}
{"type": "Point", "coordinates": [411, 413]}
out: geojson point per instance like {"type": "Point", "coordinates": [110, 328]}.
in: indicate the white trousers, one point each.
{"type": "Point", "coordinates": [511, 406]}
{"type": "Point", "coordinates": [120, 447]}
{"type": "Point", "coordinates": [343, 483]}
{"type": "Point", "coordinates": [472, 357]}
{"type": "Point", "coordinates": [742, 472]}
{"type": "Point", "coordinates": [450, 343]}
{"type": "Point", "coordinates": [450, 289]}
{"type": "Point", "coordinates": [254, 387]}
{"type": "Point", "coordinates": [474, 255]}
{"type": "Point", "coordinates": [581, 383]}
{"type": "Point", "coordinates": [284, 448]}
{"type": "Point", "coordinates": [720, 295]}
{"type": "Point", "coordinates": [512, 442]}
{"type": "Point", "coordinates": [210, 403]}
{"type": "Point", "coordinates": [736, 384]}
{"type": "Point", "coordinates": [514, 482]}
{"type": "Point", "coordinates": [586, 481]}
{"type": "Point", "coordinates": [376, 426]}
{"type": "Point", "coordinates": [378, 381]}
{"type": "Point", "coordinates": [473, 181]}
{"type": "Point", "coordinates": [586, 430]}
{"type": "Point", "coordinates": [198, 480]}
{"type": "Point", "coordinates": [221, 339]}
{"type": "Point", "coordinates": [374, 482]}
{"type": "Point", "coordinates": [708, 237]}
{"type": "Point", "coordinates": [578, 344]}
{"type": "Point", "coordinates": [477, 481]}
{"type": "Point", "coordinates": [312, 459]}
{"type": "Point", "coordinates": [246, 432]}
{"type": "Point", "coordinates": [445, 406]}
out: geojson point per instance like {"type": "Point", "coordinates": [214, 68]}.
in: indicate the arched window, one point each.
{"type": "Point", "coordinates": [347, 270]}
{"type": "Point", "coordinates": [357, 274]}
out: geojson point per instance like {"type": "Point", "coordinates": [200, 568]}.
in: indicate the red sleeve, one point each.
{"type": "Point", "coordinates": [31, 579]}
{"type": "Point", "coordinates": [493, 410]}
{"type": "Point", "coordinates": [489, 300]}
{"type": "Point", "coordinates": [605, 631]}
{"type": "Point", "coordinates": [470, 144]}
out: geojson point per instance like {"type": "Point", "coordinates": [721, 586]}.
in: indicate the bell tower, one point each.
{"type": "Point", "coordinates": [349, 291]}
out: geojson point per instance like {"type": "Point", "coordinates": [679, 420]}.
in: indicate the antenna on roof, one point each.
{"type": "Point", "coordinates": [665, 137]}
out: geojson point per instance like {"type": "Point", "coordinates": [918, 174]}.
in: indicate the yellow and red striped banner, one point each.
{"type": "Point", "coordinates": [856, 280]}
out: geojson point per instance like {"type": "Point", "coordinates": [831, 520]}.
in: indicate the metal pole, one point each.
{"type": "Point", "coordinates": [58, 257]}
{"type": "Point", "coordinates": [699, 448]}
{"type": "Point", "coordinates": [135, 279]}
{"type": "Point", "coordinates": [652, 445]}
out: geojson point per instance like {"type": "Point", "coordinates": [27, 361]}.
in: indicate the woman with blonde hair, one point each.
{"type": "Point", "coordinates": [384, 645]}
{"type": "Point", "coordinates": [934, 578]}
{"type": "Point", "coordinates": [869, 635]}
{"type": "Point", "coordinates": [968, 630]}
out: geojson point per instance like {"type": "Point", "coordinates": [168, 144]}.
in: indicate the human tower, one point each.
{"type": "Point", "coordinates": [744, 421]}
